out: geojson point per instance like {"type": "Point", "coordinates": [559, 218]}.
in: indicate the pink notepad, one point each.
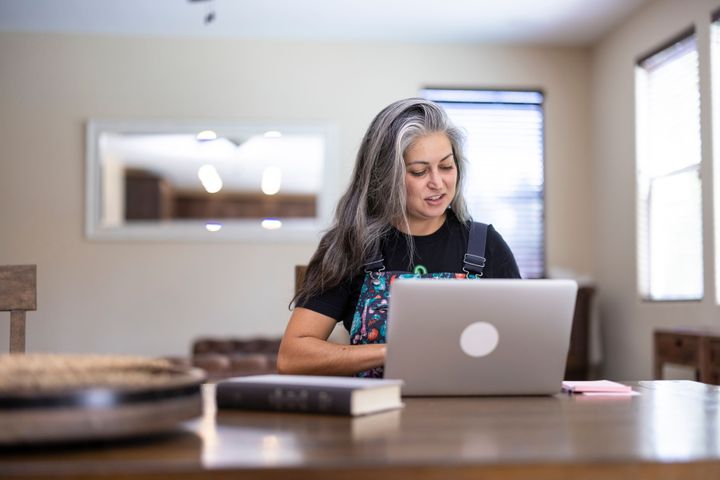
{"type": "Point", "coordinates": [595, 386]}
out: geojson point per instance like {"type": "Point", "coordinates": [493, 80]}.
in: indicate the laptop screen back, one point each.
{"type": "Point", "coordinates": [479, 337]}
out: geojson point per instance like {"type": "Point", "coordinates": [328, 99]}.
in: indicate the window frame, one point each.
{"type": "Point", "coordinates": [504, 96]}
{"type": "Point", "coordinates": [643, 203]}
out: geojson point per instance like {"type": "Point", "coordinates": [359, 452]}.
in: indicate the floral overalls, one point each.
{"type": "Point", "coordinates": [369, 322]}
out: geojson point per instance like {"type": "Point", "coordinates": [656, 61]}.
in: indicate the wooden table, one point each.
{"type": "Point", "coordinates": [670, 430]}
{"type": "Point", "coordinates": [696, 347]}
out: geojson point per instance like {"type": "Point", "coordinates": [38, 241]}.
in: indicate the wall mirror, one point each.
{"type": "Point", "coordinates": [208, 180]}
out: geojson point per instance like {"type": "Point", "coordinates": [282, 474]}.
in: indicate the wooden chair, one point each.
{"type": "Point", "coordinates": [578, 365]}
{"type": "Point", "coordinates": [339, 334]}
{"type": "Point", "coordinates": [18, 294]}
{"type": "Point", "coordinates": [299, 276]}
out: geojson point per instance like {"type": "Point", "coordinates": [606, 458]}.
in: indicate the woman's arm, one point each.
{"type": "Point", "coordinates": [304, 349]}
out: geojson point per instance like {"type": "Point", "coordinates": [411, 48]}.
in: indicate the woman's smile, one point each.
{"type": "Point", "coordinates": [435, 199]}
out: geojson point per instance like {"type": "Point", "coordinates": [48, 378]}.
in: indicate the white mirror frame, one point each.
{"type": "Point", "coordinates": [293, 230]}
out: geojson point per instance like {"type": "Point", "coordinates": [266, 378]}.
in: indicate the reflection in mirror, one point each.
{"type": "Point", "coordinates": [171, 181]}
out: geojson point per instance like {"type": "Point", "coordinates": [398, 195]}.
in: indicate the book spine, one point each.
{"type": "Point", "coordinates": [290, 398]}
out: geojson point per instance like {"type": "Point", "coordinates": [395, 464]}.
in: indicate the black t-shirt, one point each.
{"type": "Point", "coordinates": [441, 251]}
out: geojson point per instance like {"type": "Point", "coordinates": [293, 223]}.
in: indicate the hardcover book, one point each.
{"type": "Point", "coordinates": [309, 393]}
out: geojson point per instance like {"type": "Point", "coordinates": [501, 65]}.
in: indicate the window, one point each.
{"type": "Point", "coordinates": [669, 206]}
{"type": "Point", "coordinates": [504, 148]}
{"type": "Point", "coordinates": [715, 62]}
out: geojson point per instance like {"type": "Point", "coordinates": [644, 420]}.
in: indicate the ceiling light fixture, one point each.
{"type": "Point", "coordinates": [210, 15]}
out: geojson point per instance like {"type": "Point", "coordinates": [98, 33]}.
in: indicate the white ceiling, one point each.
{"type": "Point", "coordinates": [544, 22]}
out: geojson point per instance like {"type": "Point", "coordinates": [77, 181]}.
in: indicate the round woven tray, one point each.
{"type": "Point", "coordinates": [66, 398]}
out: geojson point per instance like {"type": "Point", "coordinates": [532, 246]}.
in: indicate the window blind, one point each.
{"type": "Point", "coordinates": [505, 181]}
{"type": "Point", "coordinates": [669, 202]}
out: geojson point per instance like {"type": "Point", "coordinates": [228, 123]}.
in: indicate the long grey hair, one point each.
{"type": "Point", "coordinates": [375, 201]}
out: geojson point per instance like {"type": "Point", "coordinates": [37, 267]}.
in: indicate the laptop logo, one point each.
{"type": "Point", "coordinates": [479, 339]}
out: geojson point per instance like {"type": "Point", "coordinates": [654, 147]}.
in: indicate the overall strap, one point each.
{"type": "Point", "coordinates": [376, 262]}
{"type": "Point", "coordinates": [376, 265]}
{"type": "Point", "coordinates": [474, 259]}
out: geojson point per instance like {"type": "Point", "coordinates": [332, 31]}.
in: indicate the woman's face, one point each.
{"type": "Point", "coordinates": [430, 179]}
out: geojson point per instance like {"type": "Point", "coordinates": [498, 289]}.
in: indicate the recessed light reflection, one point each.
{"type": "Point", "coordinates": [272, 134]}
{"type": "Point", "coordinates": [206, 135]}
{"type": "Point", "coordinates": [210, 178]}
{"type": "Point", "coordinates": [270, 441]}
{"type": "Point", "coordinates": [271, 223]}
{"type": "Point", "coordinates": [213, 227]}
{"type": "Point", "coordinates": [271, 180]}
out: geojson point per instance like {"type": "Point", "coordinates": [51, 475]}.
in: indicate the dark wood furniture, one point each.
{"type": "Point", "coordinates": [578, 365]}
{"type": "Point", "coordinates": [147, 196]}
{"type": "Point", "coordinates": [696, 347]}
{"type": "Point", "coordinates": [18, 294]}
{"type": "Point", "coordinates": [191, 205]}
{"type": "Point", "coordinates": [670, 430]}
{"type": "Point", "coordinates": [299, 276]}
{"type": "Point", "coordinates": [234, 357]}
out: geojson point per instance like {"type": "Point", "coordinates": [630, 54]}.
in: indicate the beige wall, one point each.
{"type": "Point", "coordinates": [154, 298]}
{"type": "Point", "coordinates": [627, 322]}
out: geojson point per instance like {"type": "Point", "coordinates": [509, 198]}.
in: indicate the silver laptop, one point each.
{"type": "Point", "coordinates": [479, 337]}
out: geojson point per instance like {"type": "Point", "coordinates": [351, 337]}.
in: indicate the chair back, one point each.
{"type": "Point", "coordinates": [578, 366]}
{"type": "Point", "coordinates": [299, 276]}
{"type": "Point", "coordinates": [18, 294]}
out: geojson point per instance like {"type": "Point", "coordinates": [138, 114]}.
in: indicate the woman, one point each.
{"type": "Point", "coordinates": [403, 211]}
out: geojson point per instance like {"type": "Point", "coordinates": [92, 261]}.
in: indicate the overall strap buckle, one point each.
{"type": "Point", "coordinates": [375, 266]}
{"type": "Point", "coordinates": [474, 259]}
{"type": "Point", "coordinates": [473, 264]}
